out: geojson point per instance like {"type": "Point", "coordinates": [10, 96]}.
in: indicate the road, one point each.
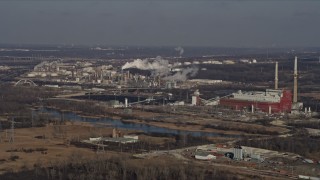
{"type": "Point", "coordinates": [177, 153]}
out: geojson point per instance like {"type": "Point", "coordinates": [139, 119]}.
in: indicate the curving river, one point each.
{"type": "Point", "coordinates": [128, 125]}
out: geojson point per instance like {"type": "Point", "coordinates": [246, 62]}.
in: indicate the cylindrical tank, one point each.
{"type": "Point", "coordinates": [31, 75]}
{"type": "Point", "coordinates": [53, 74]}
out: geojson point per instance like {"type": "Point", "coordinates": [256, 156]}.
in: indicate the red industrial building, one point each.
{"type": "Point", "coordinates": [271, 101]}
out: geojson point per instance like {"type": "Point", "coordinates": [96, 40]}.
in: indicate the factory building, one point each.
{"type": "Point", "coordinates": [238, 153]}
{"type": "Point", "coordinates": [196, 98]}
{"type": "Point", "coordinates": [270, 101]}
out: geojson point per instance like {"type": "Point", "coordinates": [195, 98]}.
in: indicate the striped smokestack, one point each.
{"type": "Point", "coordinates": [276, 77]}
{"type": "Point", "coordinates": [295, 85]}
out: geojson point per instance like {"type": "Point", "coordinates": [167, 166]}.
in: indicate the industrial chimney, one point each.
{"type": "Point", "coordinates": [276, 77]}
{"type": "Point", "coordinates": [295, 85]}
{"type": "Point", "coordinates": [126, 102]}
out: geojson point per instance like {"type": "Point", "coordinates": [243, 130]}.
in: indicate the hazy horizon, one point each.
{"type": "Point", "coordinates": [220, 24]}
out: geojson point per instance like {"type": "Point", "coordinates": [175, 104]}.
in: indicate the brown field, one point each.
{"type": "Point", "coordinates": [56, 142]}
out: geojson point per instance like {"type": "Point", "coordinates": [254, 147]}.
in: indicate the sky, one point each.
{"type": "Point", "coordinates": [216, 23]}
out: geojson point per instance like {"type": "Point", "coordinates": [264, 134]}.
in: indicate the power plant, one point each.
{"type": "Point", "coordinates": [270, 101]}
{"type": "Point", "coordinates": [167, 75]}
{"type": "Point", "coordinates": [215, 108]}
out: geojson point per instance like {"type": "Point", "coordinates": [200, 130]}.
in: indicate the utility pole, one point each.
{"type": "Point", "coordinates": [32, 117]}
{"type": "Point", "coordinates": [12, 131]}
{"type": "Point", "coordinates": [1, 132]}
{"type": "Point", "coordinates": [100, 146]}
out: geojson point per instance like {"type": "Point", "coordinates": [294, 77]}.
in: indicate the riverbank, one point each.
{"type": "Point", "coordinates": [178, 120]}
{"type": "Point", "coordinates": [174, 123]}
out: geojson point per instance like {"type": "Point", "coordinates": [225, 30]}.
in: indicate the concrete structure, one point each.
{"type": "Point", "coordinates": [295, 85]}
{"type": "Point", "coordinates": [179, 103]}
{"type": "Point", "coordinates": [276, 77]}
{"type": "Point", "coordinates": [115, 133]}
{"type": "Point", "coordinates": [131, 137]}
{"type": "Point", "coordinates": [205, 81]}
{"type": "Point", "coordinates": [170, 84]}
{"type": "Point", "coordinates": [238, 153]}
{"type": "Point", "coordinates": [122, 140]}
{"type": "Point", "coordinates": [195, 98]}
{"type": "Point", "coordinates": [228, 62]}
{"type": "Point", "coordinates": [296, 106]}
{"type": "Point", "coordinates": [126, 102]}
{"type": "Point", "coordinates": [202, 155]}
{"type": "Point", "coordinates": [95, 139]}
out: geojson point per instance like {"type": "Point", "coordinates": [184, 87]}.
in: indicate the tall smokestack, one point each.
{"type": "Point", "coordinates": [276, 77]}
{"type": "Point", "coordinates": [295, 76]}
{"type": "Point", "coordinates": [126, 102]}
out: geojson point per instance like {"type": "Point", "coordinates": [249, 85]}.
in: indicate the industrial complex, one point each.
{"type": "Point", "coordinates": [159, 90]}
{"type": "Point", "coordinates": [204, 110]}
{"type": "Point", "coordinates": [164, 75]}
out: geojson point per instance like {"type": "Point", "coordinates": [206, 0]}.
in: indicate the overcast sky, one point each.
{"type": "Point", "coordinates": [238, 23]}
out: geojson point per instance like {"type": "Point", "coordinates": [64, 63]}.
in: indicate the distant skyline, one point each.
{"type": "Point", "coordinates": [229, 23]}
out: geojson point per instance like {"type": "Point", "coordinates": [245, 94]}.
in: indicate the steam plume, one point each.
{"type": "Point", "coordinates": [159, 66]}
{"type": "Point", "coordinates": [183, 75]}
{"type": "Point", "coordinates": [180, 49]}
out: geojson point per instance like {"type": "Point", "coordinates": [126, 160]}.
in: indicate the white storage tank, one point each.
{"type": "Point", "coordinates": [31, 75]}
{"type": "Point", "coordinates": [194, 100]}
{"type": "Point", "coordinates": [53, 74]}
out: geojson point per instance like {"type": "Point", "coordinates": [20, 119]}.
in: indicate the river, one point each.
{"type": "Point", "coordinates": [149, 129]}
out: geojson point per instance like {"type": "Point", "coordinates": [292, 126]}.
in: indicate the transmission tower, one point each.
{"type": "Point", "coordinates": [100, 146]}
{"type": "Point", "coordinates": [32, 117]}
{"type": "Point", "coordinates": [11, 139]}
{"type": "Point", "coordinates": [1, 131]}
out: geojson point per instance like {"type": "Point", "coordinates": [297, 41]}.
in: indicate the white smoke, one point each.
{"type": "Point", "coordinates": [161, 67]}
{"type": "Point", "coordinates": [158, 66]}
{"type": "Point", "coordinates": [180, 49]}
{"type": "Point", "coordinates": [183, 75]}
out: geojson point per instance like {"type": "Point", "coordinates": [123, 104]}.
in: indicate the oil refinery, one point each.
{"type": "Point", "coordinates": [163, 75]}
{"type": "Point", "coordinates": [204, 110]}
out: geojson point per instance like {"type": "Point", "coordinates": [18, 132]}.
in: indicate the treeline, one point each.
{"type": "Point", "coordinates": [16, 103]}
{"type": "Point", "coordinates": [302, 145]}
{"type": "Point", "coordinates": [122, 168]}
{"type": "Point", "coordinates": [256, 73]}
{"type": "Point", "coordinates": [18, 99]}
{"type": "Point", "coordinates": [241, 72]}
{"type": "Point", "coordinates": [26, 121]}
{"type": "Point", "coordinates": [86, 108]}
{"type": "Point", "coordinates": [306, 124]}
{"type": "Point", "coordinates": [246, 129]}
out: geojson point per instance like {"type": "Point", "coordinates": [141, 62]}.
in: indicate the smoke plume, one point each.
{"type": "Point", "coordinates": [183, 75]}
{"type": "Point", "coordinates": [158, 67]}
{"type": "Point", "coordinates": [180, 49]}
